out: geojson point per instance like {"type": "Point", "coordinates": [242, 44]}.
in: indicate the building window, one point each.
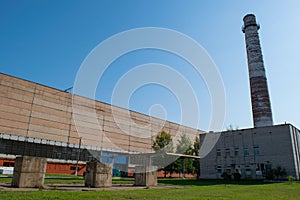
{"type": "Point", "coordinates": [219, 170]}
{"type": "Point", "coordinates": [236, 151]}
{"type": "Point", "coordinates": [256, 151]}
{"type": "Point", "coordinates": [227, 152]}
{"type": "Point", "coordinates": [246, 152]}
{"type": "Point", "coordinates": [72, 168]}
{"type": "Point", "coordinates": [248, 172]}
{"type": "Point", "coordinates": [259, 169]}
{"type": "Point", "coordinates": [8, 164]}
{"type": "Point", "coordinates": [228, 170]}
{"type": "Point", "coordinates": [218, 152]}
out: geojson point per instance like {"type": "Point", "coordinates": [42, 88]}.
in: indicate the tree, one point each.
{"type": "Point", "coordinates": [184, 145]}
{"type": "Point", "coordinates": [196, 147]}
{"type": "Point", "coordinates": [231, 128]}
{"type": "Point", "coordinates": [163, 142]}
{"type": "Point", "coordinates": [196, 152]}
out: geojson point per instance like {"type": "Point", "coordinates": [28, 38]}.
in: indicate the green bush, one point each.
{"type": "Point", "coordinates": [236, 176]}
{"type": "Point", "coordinates": [291, 179]}
{"type": "Point", "coordinates": [226, 176]}
{"type": "Point", "coordinates": [270, 175]}
{"type": "Point", "coordinates": [279, 172]}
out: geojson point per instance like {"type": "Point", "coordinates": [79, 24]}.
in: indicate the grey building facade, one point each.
{"type": "Point", "coordinates": [253, 152]}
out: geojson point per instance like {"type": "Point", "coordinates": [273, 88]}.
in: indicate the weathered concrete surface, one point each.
{"type": "Point", "coordinates": [29, 172]}
{"type": "Point", "coordinates": [98, 175]}
{"type": "Point", "coordinates": [145, 176]}
{"type": "Point", "coordinates": [261, 106]}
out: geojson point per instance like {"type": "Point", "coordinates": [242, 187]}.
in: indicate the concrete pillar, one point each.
{"type": "Point", "coordinates": [261, 106]}
{"type": "Point", "coordinates": [98, 175]}
{"type": "Point", "coordinates": [29, 172]}
{"type": "Point", "coordinates": [145, 176]}
{"type": "Point", "coordinates": [182, 165]}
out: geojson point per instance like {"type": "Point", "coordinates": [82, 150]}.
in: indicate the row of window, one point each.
{"type": "Point", "coordinates": [260, 169]}
{"type": "Point", "coordinates": [236, 152]}
{"type": "Point", "coordinates": [8, 164]}
{"type": "Point", "coordinates": [247, 172]}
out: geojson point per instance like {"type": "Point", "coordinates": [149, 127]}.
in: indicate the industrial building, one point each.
{"type": "Point", "coordinates": [254, 152]}
{"type": "Point", "coordinates": [36, 120]}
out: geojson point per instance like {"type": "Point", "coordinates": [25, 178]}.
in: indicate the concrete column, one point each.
{"type": "Point", "coordinates": [182, 165]}
{"type": "Point", "coordinates": [261, 106]}
{"type": "Point", "coordinates": [145, 176]}
{"type": "Point", "coordinates": [98, 175]}
{"type": "Point", "coordinates": [29, 172]}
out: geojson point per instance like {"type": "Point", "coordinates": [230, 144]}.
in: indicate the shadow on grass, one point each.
{"type": "Point", "coordinates": [197, 182]}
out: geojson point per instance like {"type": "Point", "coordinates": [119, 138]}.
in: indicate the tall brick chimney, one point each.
{"type": "Point", "coordinates": [261, 106]}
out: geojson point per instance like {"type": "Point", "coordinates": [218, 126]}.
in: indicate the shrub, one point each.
{"type": "Point", "coordinates": [226, 176]}
{"type": "Point", "coordinates": [291, 179]}
{"type": "Point", "coordinates": [270, 175]}
{"type": "Point", "coordinates": [279, 172]}
{"type": "Point", "coordinates": [237, 176]}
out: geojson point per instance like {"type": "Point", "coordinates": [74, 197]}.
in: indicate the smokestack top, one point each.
{"type": "Point", "coordinates": [249, 20]}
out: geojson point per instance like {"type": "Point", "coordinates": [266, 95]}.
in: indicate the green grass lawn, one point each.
{"type": "Point", "coordinates": [191, 189]}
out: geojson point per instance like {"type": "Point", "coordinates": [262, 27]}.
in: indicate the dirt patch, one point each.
{"type": "Point", "coordinates": [80, 187]}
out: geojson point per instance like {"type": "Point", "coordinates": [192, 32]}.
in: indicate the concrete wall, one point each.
{"type": "Point", "coordinates": [267, 146]}
{"type": "Point", "coordinates": [32, 110]}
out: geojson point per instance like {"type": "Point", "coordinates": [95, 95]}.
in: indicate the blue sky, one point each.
{"type": "Point", "coordinates": [46, 42]}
